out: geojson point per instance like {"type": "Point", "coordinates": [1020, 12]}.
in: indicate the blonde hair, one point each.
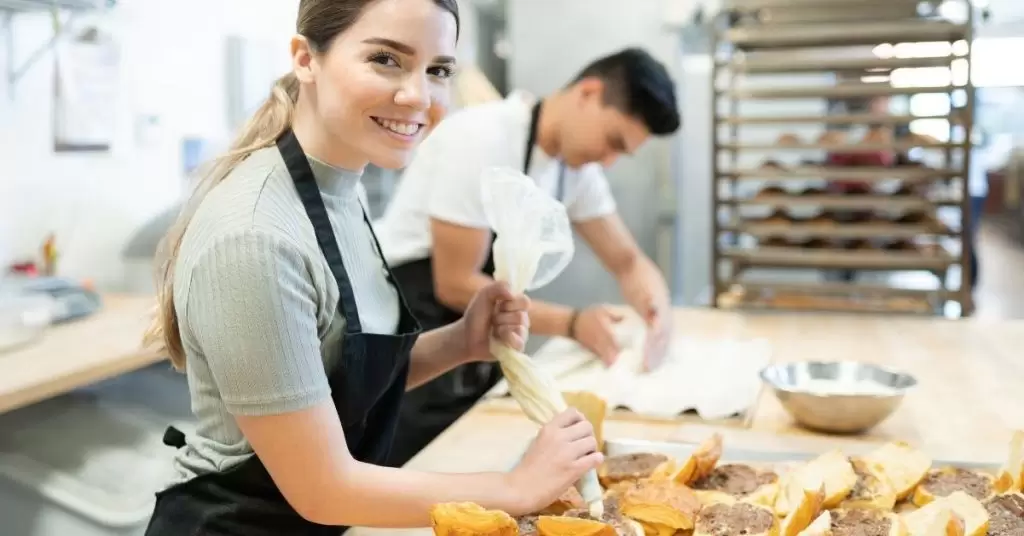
{"type": "Point", "coordinates": [319, 21]}
{"type": "Point", "coordinates": [262, 130]}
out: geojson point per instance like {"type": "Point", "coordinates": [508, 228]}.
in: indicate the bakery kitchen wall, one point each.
{"type": "Point", "coordinates": [173, 68]}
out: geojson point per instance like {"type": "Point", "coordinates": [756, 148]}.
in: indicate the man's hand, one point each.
{"type": "Point", "coordinates": [645, 289]}
{"type": "Point", "coordinates": [659, 335]}
{"type": "Point", "coordinates": [594, 329]}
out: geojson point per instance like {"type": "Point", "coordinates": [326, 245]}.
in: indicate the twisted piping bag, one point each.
{"type": "Point", "coordinates": [532, 387]}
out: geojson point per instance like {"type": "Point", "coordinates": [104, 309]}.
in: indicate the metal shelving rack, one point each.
{"type": "Point", "coordinates": [755, 39]}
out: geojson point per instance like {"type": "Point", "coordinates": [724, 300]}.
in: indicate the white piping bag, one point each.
{"type": "Point", "coordinates": [534, 244]}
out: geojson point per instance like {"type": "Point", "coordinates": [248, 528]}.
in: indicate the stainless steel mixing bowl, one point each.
{"type": "Point", "coordinates": [844, 397]}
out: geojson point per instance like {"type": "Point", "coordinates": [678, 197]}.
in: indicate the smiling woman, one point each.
{"type": "Point", "coordinates": [276, 301]}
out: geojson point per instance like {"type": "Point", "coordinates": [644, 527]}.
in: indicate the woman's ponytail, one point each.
{"type": "Point", "coordinates": [262, 130]}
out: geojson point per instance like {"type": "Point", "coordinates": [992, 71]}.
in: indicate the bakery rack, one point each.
{"type": "Point", "coordinates": [859, 203]}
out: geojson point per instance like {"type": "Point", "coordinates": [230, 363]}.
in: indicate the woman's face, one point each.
{"type": "Point", "coordinates": [384, 83]}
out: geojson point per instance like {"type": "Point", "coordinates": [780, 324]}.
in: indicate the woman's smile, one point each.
{"type": "Point", "coordinates": [405, 131]}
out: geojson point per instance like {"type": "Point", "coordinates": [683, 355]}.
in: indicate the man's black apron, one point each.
{"type": "Point", "coordinates": [432, 407]}
{"type": "Point", "coordinates": [367, 386]}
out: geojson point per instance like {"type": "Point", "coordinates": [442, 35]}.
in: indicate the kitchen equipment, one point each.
{"type": "Point", "coordinates": [89, 462]}
{"type": "Point", "coordinates": [23, 317]}
{"type": "Point", "coordinates": [838, 397]}
{"type": "Point", "coordinates": [71, 299]}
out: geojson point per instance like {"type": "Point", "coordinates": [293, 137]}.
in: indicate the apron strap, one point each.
{"type": "Point", "coordinates": [531, 140]}
{"type": "Point", "coordinates": [305, 184]}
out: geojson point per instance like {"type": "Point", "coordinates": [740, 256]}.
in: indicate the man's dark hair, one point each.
{"type": "Point", "coordinates": [639, 86]}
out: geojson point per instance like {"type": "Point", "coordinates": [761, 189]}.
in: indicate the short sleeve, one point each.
{"type": "Point", "coordinates": [592, 195]}
{"type": "Point", "coordinates": [454, 162]}
{"type": "Point", "coordinates": [252, 312]}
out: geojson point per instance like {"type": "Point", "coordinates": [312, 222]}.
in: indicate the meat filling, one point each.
{"type": "Point", "coordinates": [735, 479]}
{"type": "Point", "coordinates": [733, 520]}
{"type": "Point", "coordinates": [944, 483]}
{"type": "Point", "coordinates": [527, 525]}
{"type": "Point", "coordinates": [859, 522]}
{"type": "Point", "coordinates": [1005, 515]}
{"type": "Point", "coordinates": [632, 466]}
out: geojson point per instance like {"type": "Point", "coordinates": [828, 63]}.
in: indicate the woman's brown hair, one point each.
{"type": "Point", "coordinates": [319, 21]}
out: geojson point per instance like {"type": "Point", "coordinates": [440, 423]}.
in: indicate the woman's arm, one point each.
{"type": "Point", "coordinates": [325, 485]}
{"type": "Point", "coordinates": [436, 352]}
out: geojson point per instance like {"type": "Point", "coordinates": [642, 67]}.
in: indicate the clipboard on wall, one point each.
{"type": "Point", "coordinates": [85, 90]}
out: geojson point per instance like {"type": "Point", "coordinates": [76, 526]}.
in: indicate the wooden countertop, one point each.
{"type": "Point", "coordinates": [965, 407]}
{"type": "Point", "coordinates": [79, 353]}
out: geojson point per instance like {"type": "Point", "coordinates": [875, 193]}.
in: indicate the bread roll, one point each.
{"type": "Point", "coordinates": [904, 466]}
{"type": "Point", "coordinates": [970, 511]}
{"type": "Point", "coordinates": [469, 519]}
{"type": "Point", "coordinates": [873, 488]}
{"type": "Point", "coordinates": [661, 504]}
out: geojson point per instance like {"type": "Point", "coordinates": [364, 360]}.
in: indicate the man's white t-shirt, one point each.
{"type": "Point", "coordinates": [443, 181]}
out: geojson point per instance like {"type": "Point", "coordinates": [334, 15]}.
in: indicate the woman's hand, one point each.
{"type": "Point", "coordinates": [563, 451]}
{"type": "Point", "coordinates": [494, 312]}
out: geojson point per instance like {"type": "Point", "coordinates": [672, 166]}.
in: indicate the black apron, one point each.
{"type": "Point", "coordinates": [432, 407]}
{"type": "Point", "coordinates": [367, 386]}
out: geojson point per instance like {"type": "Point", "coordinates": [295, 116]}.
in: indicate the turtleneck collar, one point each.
{"type": "Point", "coordinates": [334, 181]}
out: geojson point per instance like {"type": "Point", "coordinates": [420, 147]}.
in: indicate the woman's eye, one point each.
{"type": "Point", "coordinates": [384, 59]}
{"type": "Point", "coordinates": [441, 72]}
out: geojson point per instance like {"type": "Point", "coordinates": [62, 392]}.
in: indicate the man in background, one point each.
{"type": "Point", "coordinates": [437, 239]}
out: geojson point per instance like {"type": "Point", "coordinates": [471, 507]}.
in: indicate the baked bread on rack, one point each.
{"type": "Point", "coordinates": [832, 137]}
{"type": "Point", "coordinates": [770, 191]}
{"type": "Point", "coordinates": [788, 138]}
